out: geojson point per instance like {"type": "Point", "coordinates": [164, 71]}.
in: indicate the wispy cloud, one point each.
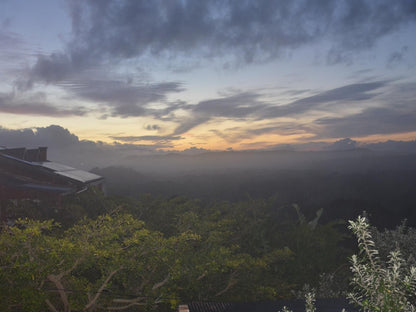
{"type": "Point", "coordinates": [36, 105]}
{"type": "Point", "coordinates": [154, 138]}
{"type": "Point", "coordinates": [349, 93]}
{"type": "Point", "coordinates": [371, 121]}
{"type": "Point", "coordinates": [395, 113]}
{"type": "Point", "coordinates": [251, 106]}
{"type": "Point", "coordinates": [123, 98]}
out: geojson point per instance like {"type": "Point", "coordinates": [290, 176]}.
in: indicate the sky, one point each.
{"type": "Point", "coordinates": [167, 75]}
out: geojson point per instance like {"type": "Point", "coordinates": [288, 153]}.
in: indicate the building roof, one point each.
{"type": "Point", "coordinates": [322, 305]}
{"type": "Point", "coordinates": [71, 173]}
{"type": "Point", "coordinates": [27, 173]}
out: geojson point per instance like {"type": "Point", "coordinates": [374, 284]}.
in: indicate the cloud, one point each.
{"type": "Point", "coordinates": [343, 145]}
{"type": "Point", "coordinates": [397, 146]}
{"type": "Point", "coordinates": [238, 106]}
{"type": "Point", "coordinates": [189, 123]}
{"type": "Point", "coordinates": [53, 136]}
{"type": "Point", "coordinates": [36, 105]}
{"type": "Point", "coordinates": [237, 134]}
{"type": "Point", "coordinates": [53, 68]}
{"type": "Point", "coordinates": [249, 105]}
{"type": "Point", "coordinates": [349, 93]}
{"type": "Point", "coordinates": [106, 32]}
{"type": "Point", "coordinates": [250, 30]}
{"type": "Point", "coordinates": [395, 113]}
{"type": "Point", "coordinates": [398, 56]}
{"type": "Point", "coordinates": [380, 120]}
{"type": "Point", "coordinates": [66, 147]}
{"type": "Point", "coordinates": [152, 127]}
{"type": "Point", "coordinates": [9, 39]}
{"type": "Point", "coordinates": [12, 51]}
{"type": "Point", "coordinates": [155, 138]}
{"type": "Point", "coordinates": [124, 98]}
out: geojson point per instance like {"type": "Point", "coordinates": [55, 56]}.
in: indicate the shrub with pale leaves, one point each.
{"type": "Point", "coordinates": [377, 286]}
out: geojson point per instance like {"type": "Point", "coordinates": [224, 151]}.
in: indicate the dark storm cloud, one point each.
{"type": "Point", "coordinates": [106, 33]}
{"type": "Point", "coordinates": [245, 31]}
{"type": "Point", "coordinates": [348, 93]}
{"type": "Point", "coordinates": [251, 30]}
{"type": "Point", "coordinates": [381, 120]}
{"type": "Point", "coordinates": [37, 105]}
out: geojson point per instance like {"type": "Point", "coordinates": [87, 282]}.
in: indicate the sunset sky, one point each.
{"type": "Point", "coordinates": [175, 74]}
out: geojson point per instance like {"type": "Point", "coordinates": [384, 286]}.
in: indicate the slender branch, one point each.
{"type": "Point", "coordinates": [129, 300]}
{"type": "Point", "coordinates": [51, 306]}
{"type": "Point", "coordinates": [130, 303]}
{"type": "Point", "coordinates": [100, 290]}
{"type": "Point", "coordinates": [56, 279]}
{"type": "Point", "coordinates": [231, 283]}
{"type": "Point", "coordinates": [160, 284]}
{"type": "Point", "coordinates": [202, 276]}
{"type": "Point", "coordinates": [62, 274]}
{"type": "Point", "coordinates": [126, 306]}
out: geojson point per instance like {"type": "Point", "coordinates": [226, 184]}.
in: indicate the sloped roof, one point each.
{"type": "Point", "coordinates": [322, 305]}
{"type": "Point", "coordinates": [69, 172]}
{"type": "Point", "coordinates": [28, 170]}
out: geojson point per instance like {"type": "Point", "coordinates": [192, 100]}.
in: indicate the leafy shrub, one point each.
{"type": "Point", "coordinates": [377, 286]}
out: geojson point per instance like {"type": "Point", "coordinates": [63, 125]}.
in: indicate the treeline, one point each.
{"type": "Point", "coordinates": [104, 253]}
{"type": "Point", "coordinates": [387, 195]}
{"type": "Point", "coordinates": [98, 253]}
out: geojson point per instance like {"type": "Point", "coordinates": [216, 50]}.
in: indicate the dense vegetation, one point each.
{"type": "Point", "coordinates": [160, 251]}
{"type": "Point", "coordinates": [117, 253]}
{"type": "Point", "coordinates": [378, 284]}
{"type": "Point", "coordinates": [387, 193]}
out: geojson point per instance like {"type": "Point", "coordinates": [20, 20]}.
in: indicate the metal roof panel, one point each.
{"type": "Point", "coordinates": [79, 175]}
{"type": "Point", "coordinates": [55, 166]}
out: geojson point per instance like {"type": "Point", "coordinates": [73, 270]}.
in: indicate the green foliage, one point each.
{"type": "Point", "coordinates": [309, 303]}
{"type": "Point", "coordinates": [402, 238]}
{"type": "Point", "coordinates": [153, 253]}
{"type": "Point", "coordinates": [378, 286]}
{"type": "Point", "coordinates": [109, 262]}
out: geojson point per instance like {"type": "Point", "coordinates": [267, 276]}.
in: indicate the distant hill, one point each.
{"type": "Point", "coordinates": [344, 183]}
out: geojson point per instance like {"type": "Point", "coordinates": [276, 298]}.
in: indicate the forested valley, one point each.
{"type": "Point", "coordinates": [153, 242]}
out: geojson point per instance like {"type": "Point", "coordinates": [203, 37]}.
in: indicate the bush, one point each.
{"type": "Point", "coordinates": [377, 286]}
